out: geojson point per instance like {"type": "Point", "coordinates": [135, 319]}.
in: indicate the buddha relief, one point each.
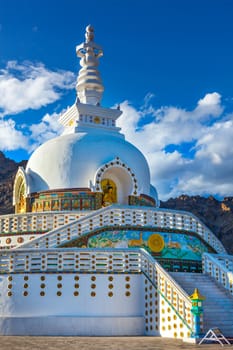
{"type": "Point", "coordinates": [109, 192]}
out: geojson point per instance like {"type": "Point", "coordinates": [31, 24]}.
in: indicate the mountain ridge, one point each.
{"type": "Point", "coordinates": [8, 169]}
{"type": "Point", "coordinates": [215, 214]}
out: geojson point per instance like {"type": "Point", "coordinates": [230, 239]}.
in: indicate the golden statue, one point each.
{"type": "Point", "coordinates": [109, 190]}
{"type": "Point", "coordinates": [22, 201]}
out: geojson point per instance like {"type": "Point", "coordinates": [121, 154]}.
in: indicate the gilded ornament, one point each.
{"type": "Point", "coordinates": [156, 243]}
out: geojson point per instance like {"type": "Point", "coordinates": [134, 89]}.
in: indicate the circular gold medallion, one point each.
{"type": "Point", "coordinates": [156, 243]}
{"type": "Point", "coordinates": [97, 120]}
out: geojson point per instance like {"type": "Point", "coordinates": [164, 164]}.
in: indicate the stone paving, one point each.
{"type": "Point", "coordinates": [100, 343]}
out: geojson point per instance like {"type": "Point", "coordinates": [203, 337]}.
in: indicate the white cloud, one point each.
{"type": "Point", "coordinates": [209, 105]}
{"type": "Point", "coordinates": [48, 128]}
{"type": "Point", "coordinates": [28, 138]}
{"type": "Point", "coordinates": [213, 99]}
{"type": "Point", "coordinates": [11, 138]}
{"type": "Point", "coordinates": [30, 86]}
{"type": "Point", "coordinates": [206, 168]}
{"type": "Point", "coordinates": [147, 99]}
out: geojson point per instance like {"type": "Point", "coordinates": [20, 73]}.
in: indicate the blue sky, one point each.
{"type": "Point", "coordinates": [167, 62]}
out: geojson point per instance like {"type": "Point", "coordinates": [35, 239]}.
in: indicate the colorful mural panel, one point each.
{"type": "Point", "coordinates": [55, 205]}
{"type": "Point", "coordinates": [141, 200]}
{"type": "Point", "coordinates": [76, 204]}
{"type": "Point", "coordinates": [65, 204]}
{"type": "Point", "coordinates": [166, 245]}
{"type": "Point", "coordinates": [76, 200]}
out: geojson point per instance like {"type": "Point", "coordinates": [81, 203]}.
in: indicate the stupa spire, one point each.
{"type": "Point", "coordinates": [89, 84]}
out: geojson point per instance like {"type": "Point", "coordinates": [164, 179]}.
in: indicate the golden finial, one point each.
{"type": "Point", "coordinates": [196, 295]}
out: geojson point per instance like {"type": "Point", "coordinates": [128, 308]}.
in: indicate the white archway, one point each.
{"type": "Point", "coordinates": [122, 176]}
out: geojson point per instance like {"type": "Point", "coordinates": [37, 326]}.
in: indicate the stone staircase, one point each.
{"type": "Point", "coordinates": [218, 305]}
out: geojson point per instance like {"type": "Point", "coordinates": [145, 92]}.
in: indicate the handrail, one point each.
{"type": "Point", "coordinates": [169, 284]}
{"type": "Point", "coordinates": [47, 240]}
{"type": "Point", "coordinates": [165, 273]}
{"type": "Point", "coordinates": [220, 267]}
{"type": "Point", "coordinates": [225, 260]}
{"type": "Point", "coordinates": [20, 223]}
{"type": "Point", "coordinates": [126, 215]}
{"type": "Point", "coordinates": [169, 303]}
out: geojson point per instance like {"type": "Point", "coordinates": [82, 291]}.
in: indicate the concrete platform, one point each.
{"type": "Point", "coordinates": [99, 343]}
{"type": "Point", "coordinates": [71, 326]}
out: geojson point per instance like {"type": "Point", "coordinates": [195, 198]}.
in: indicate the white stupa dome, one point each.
{"type": "Point", "coordinates": [91, 155]}
{"type": "Point", "coordinates": [74, 160]}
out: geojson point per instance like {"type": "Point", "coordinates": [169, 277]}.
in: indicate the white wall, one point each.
{"type": "Point", "coordinates": [84, 314]}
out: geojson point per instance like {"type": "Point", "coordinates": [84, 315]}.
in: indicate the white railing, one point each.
{"type": "Point", "coordinates": [29, 222]}
{"type": "Point", "coordinates": [220, 267]}
{"type": "Point", "coordinates": [100, 261]}
{"type": "Point", "coordinates": [68, 259]}
{"type": "Point", "coordinates": [168, 288]}
{"type": "Point", "coordinates": [122, 216]}
{"type": "Point", "coordinates": [77, 228]}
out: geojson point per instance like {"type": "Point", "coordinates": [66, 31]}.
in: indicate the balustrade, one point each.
{"type": "Point", "coordinates": [121, 216]}
{"type": "Point", "coordinates": [29, 222]}
{"type": "Point", "coordinates": [220, 267]}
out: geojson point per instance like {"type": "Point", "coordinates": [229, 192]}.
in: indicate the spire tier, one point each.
{"type": "Point", "coordinates": [89, 84]}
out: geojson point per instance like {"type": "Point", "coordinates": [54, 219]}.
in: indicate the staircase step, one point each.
{"type": "Point", "coordinates": [218, 305]}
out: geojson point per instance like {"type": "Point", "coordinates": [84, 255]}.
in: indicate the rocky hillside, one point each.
{"type": "Point", "coordinates": [217, 215]}
{"type": "Point", "coordinates": [8, 169]}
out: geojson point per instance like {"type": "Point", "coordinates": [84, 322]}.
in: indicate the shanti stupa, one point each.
{"type": "Point", "coordinates": [88, 250]}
